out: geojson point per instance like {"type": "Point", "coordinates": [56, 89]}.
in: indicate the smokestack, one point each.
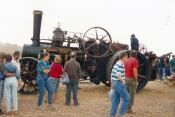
{"type": "Point", "coordinates": [36, 27]}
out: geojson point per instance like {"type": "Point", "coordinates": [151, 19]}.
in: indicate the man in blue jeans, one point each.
{"type": "Point", "coordinates": [72, 67]}
{"type": "Point", "coordinates": [160, 67]}
{"type": "Point", "coordinates": [119, 86]}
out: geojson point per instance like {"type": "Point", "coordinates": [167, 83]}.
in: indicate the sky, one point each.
{"type": "Point", "coordinates": [152, 21]}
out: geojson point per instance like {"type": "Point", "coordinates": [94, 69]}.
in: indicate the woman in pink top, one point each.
{"type": "Point", "coordinates": [56, 70]}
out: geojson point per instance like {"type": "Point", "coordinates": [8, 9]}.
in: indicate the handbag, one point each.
{"type": "Point", "coordinates": [65, 78]}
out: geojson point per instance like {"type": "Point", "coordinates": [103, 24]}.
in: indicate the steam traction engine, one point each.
{"type": "Point", "coordinates": [95, 52]}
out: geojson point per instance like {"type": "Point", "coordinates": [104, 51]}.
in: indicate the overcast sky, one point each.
{"type": "Point", "coordinates": [152, 21]}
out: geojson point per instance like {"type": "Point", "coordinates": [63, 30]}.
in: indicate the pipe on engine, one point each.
{"type": "Point", "coordinates": [36, 27]}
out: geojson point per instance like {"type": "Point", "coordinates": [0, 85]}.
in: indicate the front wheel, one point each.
{"type": "Point", "coordinates": [28, 75]}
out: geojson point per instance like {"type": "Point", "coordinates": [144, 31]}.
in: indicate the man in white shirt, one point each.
{"type": "Point", "coordinates": [16, 56]}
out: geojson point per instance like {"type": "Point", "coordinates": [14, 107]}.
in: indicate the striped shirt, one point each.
{"type": "Point", "coordinates": [118, 70]}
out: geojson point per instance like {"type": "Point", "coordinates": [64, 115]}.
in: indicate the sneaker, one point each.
{"type": "Point", "coordinates": [51, 107]}
{"type": "Point", "coordinates": [67, 104]}
{"type": "Point", "coordinates": [77, 104]}
{"type": "Point", "coordinates": [118, 115]}
{"type": "Point", "coordinates": [41, 108]}
{"type": "Point", "coordinates": [131, 112]}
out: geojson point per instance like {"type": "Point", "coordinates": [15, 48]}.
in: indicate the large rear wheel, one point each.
{"type": "Point", "coordinates": [143, 69]}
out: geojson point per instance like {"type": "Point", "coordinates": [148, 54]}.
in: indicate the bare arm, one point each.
{"type": "Point", "coordinates": [135, 73]}
{"type": "Point", "coordinates": [120, 78]}
{"type": "Point", "coordinates": [7, 74]}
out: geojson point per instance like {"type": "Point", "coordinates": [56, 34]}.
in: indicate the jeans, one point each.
{"type": "Point", "coordinates": [72, 86]}
{"type": "Point", "coordinates": [120, 93]}
{"type": "Point", "coordinates": [44, 83]}
{"type": "Point", "coordinates": [54, 83]}
{"type": "Point", "coordinates": [131, 84]}
{"type": "Point", "coordinates": [1, 91]}
{"type": "Point", "coordinates": [10, 91]}
{"type": "Point", "coordinates": [167, 71]}
{"type": "Point", "coordinates": [160, 72]}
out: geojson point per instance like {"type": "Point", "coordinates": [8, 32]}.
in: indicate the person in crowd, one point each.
{"type": "Point", "coordinates": [15, 60]}
{"type": "Point", "coordinates": [167, 67]}
{"type": "Point", "coordinates": [119, 86]}
{"type": "Point", "coordinates": [155, 65]}
{"type": "Point", "coordinates": [172, 64]}
{"type": "Point", "coordinates": [2, 76]}
{"type": "Point", "coordinates": [11, 84]}
{"type": "Point", "coordinates": [131, 74]}
{"type": "Point", "coordinates": [160, 67]}
{"type": "Point", "coordinates": [1, 80]}
{"type": "Point", "coordinates": [72, 67]}
{"type": "Point", "coordinates": [56, 70]}
{"type": "Point", "coordinates": [134, 43]}
{"type": "Point", "coordinates": [43, 82]}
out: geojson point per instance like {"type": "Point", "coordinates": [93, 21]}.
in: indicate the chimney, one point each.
{"type": "Point", "coordinates": [36, 27]}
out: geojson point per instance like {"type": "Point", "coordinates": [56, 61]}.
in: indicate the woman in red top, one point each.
{"type": "Point", "coordinates": [56, 70]}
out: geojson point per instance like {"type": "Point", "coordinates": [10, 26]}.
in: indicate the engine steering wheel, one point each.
{"type": "Point", "coordinates": [97, 42]}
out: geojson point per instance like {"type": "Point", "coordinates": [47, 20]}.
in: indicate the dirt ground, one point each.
{"type": "Point", "coordinates": [156, 100]}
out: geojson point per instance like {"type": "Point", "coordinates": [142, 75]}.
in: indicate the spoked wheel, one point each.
{"type": "Point", "coordinates": [143, 69]}
{"type": "Point", "coordinates": [97, 43]}
{"type": "Point", "coordinates": [28, 75]}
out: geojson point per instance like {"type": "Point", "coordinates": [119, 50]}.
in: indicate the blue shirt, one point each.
{"type": "Point", "coordinates": [134, 44]}
{"type": "Point", "coordinates": [12, 68]}
{"type": "Point", "coordinates": [40, 69]}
